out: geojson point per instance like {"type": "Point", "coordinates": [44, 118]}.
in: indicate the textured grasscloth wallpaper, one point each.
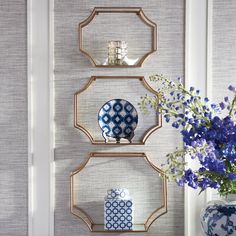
{"type": "Point", "coordinates": [72, 71]}
{"type": "Point", "coordinates": [13, 119]}
{"type": "Point", "coordinates": [224, 47]}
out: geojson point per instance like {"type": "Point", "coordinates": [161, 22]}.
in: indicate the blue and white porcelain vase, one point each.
{"type": "Point", "coordinates": [219, 217]}
{"type": "Point", "coordinates": [118, 210]}
{"type": "Point", "coordinates": [118, 119]}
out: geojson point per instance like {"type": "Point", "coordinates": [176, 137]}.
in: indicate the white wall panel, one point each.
{"type": "Point", "coordinates": [73, 70]}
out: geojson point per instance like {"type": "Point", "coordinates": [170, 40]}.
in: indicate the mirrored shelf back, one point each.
{"type": "Point", "coordinates": [117, 37]}
{"type": "Point", "coordinates": [145, 181]}
{"type": "Point", "coordinates": [95, 111]}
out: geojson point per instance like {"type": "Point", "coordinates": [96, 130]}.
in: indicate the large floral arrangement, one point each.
{"type": "Point", "coordinates": [209, 137]}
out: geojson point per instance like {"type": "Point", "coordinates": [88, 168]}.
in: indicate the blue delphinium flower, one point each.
{"type": "Point", "coordinates": [231, 176]}
{"type": "Point", "coordinates": [204, 183]}
{"type": "Point", "coordinates": [231, 88]}
{"type": "Point", "coordinates": [191, 178]}
{"type": "Point", "coordinates": [209, 138]}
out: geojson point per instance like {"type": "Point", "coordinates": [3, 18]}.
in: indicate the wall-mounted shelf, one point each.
{"type": "Point", "coordinates": [101, 89]}
{"type": "Point", "coordinates": [145, 181]}
{"type": "Point", "coordinates": [107, 24]}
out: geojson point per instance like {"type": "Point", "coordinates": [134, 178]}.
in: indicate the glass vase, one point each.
{"type": "Point", "coordinates": [117, 51]}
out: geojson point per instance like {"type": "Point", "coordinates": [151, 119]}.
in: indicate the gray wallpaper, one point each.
{"type": "Point", "coordinates": [72, 72]}
{"type": "Point", "coordinates": [13, 119]}
{"type": "Point", "coordinates": [224, 47]}
{"type": "Point", "coordinates": [224, 51]}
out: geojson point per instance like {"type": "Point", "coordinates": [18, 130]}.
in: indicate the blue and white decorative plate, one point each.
{"type": "Point", "coordinates": [118, 119]}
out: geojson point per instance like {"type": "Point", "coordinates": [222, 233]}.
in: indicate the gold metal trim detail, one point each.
{"type": "Point", "coordinates": [80, 213]}
{"type": "Point", "coordinates": [136, 10]}
{"type": "Point", "coordinates": [101, 142]}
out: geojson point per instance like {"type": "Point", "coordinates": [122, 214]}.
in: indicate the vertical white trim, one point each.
{"type": "Point", "coordinates": [40, 117]}
{"type": "Point", "coordinates": [198, 74]}
{"type": "Point", "coordinates": [209, 65]}
{"type": "Point", "coordinates": [51, 116]}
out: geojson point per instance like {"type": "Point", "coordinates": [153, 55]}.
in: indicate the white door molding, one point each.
{"type": "Point", "coordinates": [40, 118]}
{"type": "Point", "coordinates": [41, 106]}
{"type": "Point", "coordinates": [198, 57]}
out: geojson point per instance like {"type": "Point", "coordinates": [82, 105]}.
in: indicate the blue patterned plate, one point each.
{"type": "Point", "coordinates": [118, 119]}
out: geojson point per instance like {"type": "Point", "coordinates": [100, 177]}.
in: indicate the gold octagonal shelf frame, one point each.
{"type": "Point", "coordinates": [102, 142]}
{"type": "Point", "coordinates": [133, 10]}
{"type": "Point", "coordinates": [93, 227]}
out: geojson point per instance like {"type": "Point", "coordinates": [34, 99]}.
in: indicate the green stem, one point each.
{"type": "Point", "coordinates": [232, 107]}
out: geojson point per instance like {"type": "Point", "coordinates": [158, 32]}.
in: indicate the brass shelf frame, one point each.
{"type": "Point", "coordinates": [80, 213]}
{"type": "Point", "coordinates": [102, 142]}
{"type": "Point", "coordinates": [136, 10]}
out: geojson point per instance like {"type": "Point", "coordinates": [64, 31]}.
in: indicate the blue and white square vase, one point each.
{"type": "Point", "coordinates": [118, 210]}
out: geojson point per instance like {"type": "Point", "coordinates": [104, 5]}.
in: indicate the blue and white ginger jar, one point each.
{"type": "Point", "coordinates": [219, 217]}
